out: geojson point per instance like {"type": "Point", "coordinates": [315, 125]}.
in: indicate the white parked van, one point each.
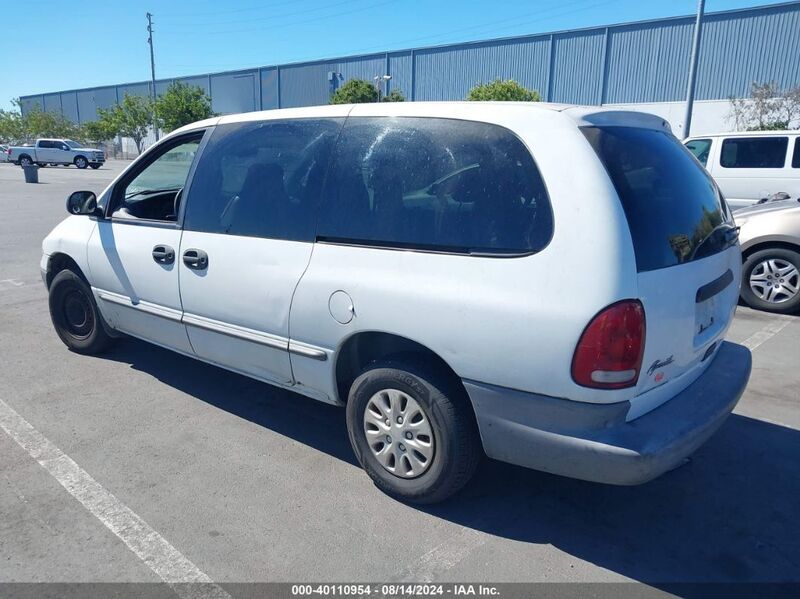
{"type": "Point", "coordinates": [549, 285]}
{"type": "Point", "coordinates": [751, 166]}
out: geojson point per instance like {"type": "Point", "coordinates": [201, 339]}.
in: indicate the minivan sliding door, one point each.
{"type": "Point", "coordinates": [248, 236]}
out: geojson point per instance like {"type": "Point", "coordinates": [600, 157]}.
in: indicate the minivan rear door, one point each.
{"type": "Point", "coordinates": [687, 254]}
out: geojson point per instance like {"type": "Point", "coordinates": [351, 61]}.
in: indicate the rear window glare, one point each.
{"type": "Point", "coordinates": [672, 205]}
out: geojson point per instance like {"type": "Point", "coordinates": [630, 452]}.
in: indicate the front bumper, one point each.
{"type": "Point", "coordinates": [593, 441]}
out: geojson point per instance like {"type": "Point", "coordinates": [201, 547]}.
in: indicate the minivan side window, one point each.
{"type": "Point", "coordinates": [754, 152]}
{"type": "Point", "coordinates": [700, 148]}
{"type": "Point", "coordinates": [796, 155]}
{"type": "Point", "coordinates": [262, 179]}
{"type": "Point", "coordinates": [434, 184]}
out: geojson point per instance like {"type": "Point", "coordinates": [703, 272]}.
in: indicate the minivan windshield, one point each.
{"type": "Point", "coordinates": [674, 210]}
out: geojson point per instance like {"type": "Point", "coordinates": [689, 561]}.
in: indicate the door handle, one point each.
{"type": "Point", "coordinates": [195, 259]}
{"type": "Point", "coordinates": [163, 254]}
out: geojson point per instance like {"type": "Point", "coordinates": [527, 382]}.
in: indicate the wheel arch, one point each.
{"type": "Point", "coordinates": [362, 348]}
{"type": "Point", "coordinates": [60, 261]}
{"type": "Point", "coordinates": [769, 244]}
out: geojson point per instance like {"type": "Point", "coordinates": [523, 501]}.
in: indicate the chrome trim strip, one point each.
{"type": "Point", "coordinates": [236, 331]}
{"type": "Point", "coordinates": [146, 307]}
{"type": "Point", "coordinates": [308, 351]}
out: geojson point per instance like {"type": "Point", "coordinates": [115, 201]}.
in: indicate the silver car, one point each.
{"type": "Point", "coordinates": [770, 240]}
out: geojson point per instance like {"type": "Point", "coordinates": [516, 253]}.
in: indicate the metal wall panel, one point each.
{"type": "Point", "coordinates": [448, 73]}
{"type": "Point", "coordinates": [269, 89]}
{"type": "Point", "coordinates": [29, 103]}
{"type": "Point", "coordinates": [577, 72]}
{"type": "Point", "coordinates": [400, 70]}
{"type": "Point", "coordinates": [306, 84]}
{"type": "Point", "coordinates": [52, 103]}
{"type": "Point", "coordinates": [234, 92]}
{"type": "Point", "coordinates": [134, 89]}
{"type": "Point", "coordinates": [735, 51]}
{"type": "Point", "coordinates": [89, 100]}
{"type": "Point", "coordinates": [649, 62]}
{"type": "Point", "coordinates": [201, 82]}
{"type": "Point", "coordinates": [69, 106]}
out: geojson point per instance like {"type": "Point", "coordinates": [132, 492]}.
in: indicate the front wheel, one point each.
{"type": "Point", "coordinates": [771, 280]}
{"type": "Point", "coordinates": [413, 430]}
{"type": "Point", "coordinates": [75, 315]}
{"type": "Point", "coordinates": [81, 162]}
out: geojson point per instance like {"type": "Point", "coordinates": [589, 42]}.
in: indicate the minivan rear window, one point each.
{"type": "Point", "coordinates": [673, 208]}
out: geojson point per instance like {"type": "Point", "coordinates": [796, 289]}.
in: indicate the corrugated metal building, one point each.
{"type": "Point", "coordinates": [643, 63]}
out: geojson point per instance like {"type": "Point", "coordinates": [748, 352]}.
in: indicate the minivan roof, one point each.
{"type": "Point", "coordinates": [581, 115]}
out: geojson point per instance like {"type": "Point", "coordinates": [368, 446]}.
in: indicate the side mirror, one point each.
{"type": "Point", "coordinates": [83, 202]}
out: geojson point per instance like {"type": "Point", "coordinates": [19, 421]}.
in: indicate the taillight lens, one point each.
{"type": "Point", "coordinates": [609, 353]}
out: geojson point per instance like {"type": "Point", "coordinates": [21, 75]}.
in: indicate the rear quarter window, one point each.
{"type": "Point", "coordinates": [437, 185]}
{"type": "Point", "coordinates": [671, 203]}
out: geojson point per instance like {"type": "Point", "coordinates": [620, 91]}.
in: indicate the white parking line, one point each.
{"type": "Point", "coordinates": [767, 333]}
{"type": "Point", "coordinates": [169, 564]}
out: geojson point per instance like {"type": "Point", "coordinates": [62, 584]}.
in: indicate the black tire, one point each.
{"type": "Point", "coordinates": [457, 448]}
{"type": "Point", "coordinates": [75, 315]}
{"type": "Point", "coordinates": [95, 166]}
{"type": "Point", "coordinates": [25, 160]}
{"type": "Point", "coordinates": [81, 162]}
{"type": "Point", "coordinates": [786, 305]}
{"type": "Point", "coordinates": [41, 164]}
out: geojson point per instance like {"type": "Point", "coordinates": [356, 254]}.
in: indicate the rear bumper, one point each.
{"type": "Point", "coordinates": [593, 441]}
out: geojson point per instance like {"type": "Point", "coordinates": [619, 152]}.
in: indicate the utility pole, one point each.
{"type": "Point", "coordinates": [152, 71]}
{"type": "Point", "coordinates": [698, 26]}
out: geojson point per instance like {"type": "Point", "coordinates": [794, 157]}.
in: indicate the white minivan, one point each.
{"type": "Point", "coordinates": [751, 166]}
{"type": "Point", "coordinates": [548, 285]}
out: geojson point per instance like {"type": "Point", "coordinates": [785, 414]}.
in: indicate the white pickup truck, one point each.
{"type": "Point", "coordinates": [56, 151]}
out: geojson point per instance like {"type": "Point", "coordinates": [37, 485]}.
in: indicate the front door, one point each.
{"type": "Point", "coordinates": [248, 237]}
{"type": "Point", "coordinates": [133, 252]}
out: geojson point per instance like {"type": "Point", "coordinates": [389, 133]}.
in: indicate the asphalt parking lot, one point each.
{"type": "Point", "coordinates": [250, 483]}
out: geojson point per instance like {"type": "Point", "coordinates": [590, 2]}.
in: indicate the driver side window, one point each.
{"type": "Point", "coordinates": [154, 192]}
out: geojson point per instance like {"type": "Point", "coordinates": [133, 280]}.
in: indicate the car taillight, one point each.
{"type": "Point", "coordinates": [609, 353]}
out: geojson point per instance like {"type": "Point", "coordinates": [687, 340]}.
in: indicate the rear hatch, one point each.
{"type": "Point", "coordinates": [687, 255]}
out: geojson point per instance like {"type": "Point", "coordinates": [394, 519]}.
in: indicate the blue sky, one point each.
{"type": "Point", "coordinates": [86, 43]}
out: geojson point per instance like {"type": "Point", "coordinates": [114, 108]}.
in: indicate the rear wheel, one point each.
{"type": "Point", "coordinates": [81, 162]}
{"type": "Point", "coordinates": [75, 315]}
{"type": "Point", "coordinates": [25, 161]}
{"type": "Point", "coordinates": [412, 430]}
{"type": "Point", "coordinates": [771, 280]}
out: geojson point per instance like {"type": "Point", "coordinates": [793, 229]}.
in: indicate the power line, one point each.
{"type": "Point", "coordinates": [284, 25]}
{"type": "Point", "coordinates": [271, 17]}
{"type": "Point", "coordinates": [387, 47]}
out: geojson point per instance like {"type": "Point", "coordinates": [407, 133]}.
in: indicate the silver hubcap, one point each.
{"type": "Point", "coordinates": [775, 280]}
{"type": "Point", "coordinates": [399, 433]}
{"type": "Point", "coordinates": [80, 162]}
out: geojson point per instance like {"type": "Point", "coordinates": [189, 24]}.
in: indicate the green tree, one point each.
{"type": "Point", "coordinates": [12, 127]}
{"type": "Point", "coordinates": [504, 91]}
{"type": "Point", "coordinates": [180, 105]}
{"type": "Point", "coordinates": [131, 118]}
{"type": "Point", "coordinates": [394, 96]}
{"type": "Point", "coordinates": [98, 131]}
{"type": "Point", "coordinates": [355, 91]}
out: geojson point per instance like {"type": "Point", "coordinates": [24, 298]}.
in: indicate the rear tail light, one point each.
{"type": "Point", "coordinates": [609, 353]}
